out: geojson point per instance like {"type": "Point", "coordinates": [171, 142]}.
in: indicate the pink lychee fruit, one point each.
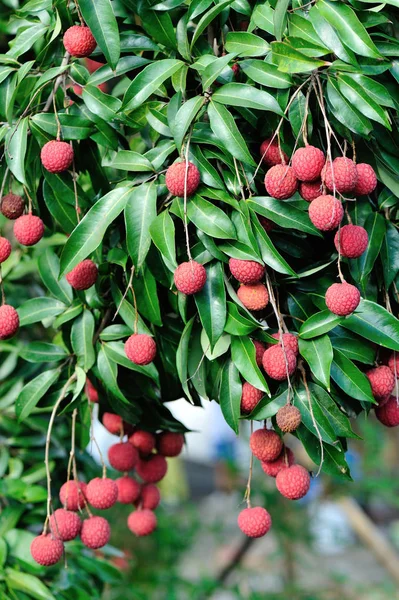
{"type": "Point", "coordinates": [265, 444]}
{"type": "Point", "coordinates": [175, 179]}
{"type": "Point", "coordinates": [190, 277]}
{"type": "Point", "coordinates": [271, 154]}
{"type": "Point", "coordinates": [254, 297]}
{"type": "Point", "coordinates": [95, 533]}
{"type": "Point", "coordinates": [388, 414]}
{"type": "Point", "coordinates": [46, 549]}
{"type": "Point", "coordinates": [65, 524]}
{"type": "Point", "coordinates": [254, 522]}
{"type": "Point", "coordinates": [113, 423]}
{"type": "Point", "coordinates": [56, 156]}
{"type": "Point", "coordinates": [351, 240]}
{"type": "Point", "coordinates": [152, 469]}
{"type": "Point", "coordinates": [293, 482]}
{"type": "Point", "coordinates": [150, 496]}
{"type": "Point", "coordinates": [123, 456]}
{"type": "Point", "coordinates": [90, 391]}
{"type": "Point", "coordinates": [246, 271]}
{"type": "Point", "coordinates": [72, 495]}
{"type": "Point", "coordinates": [382, 381]}
{"type": "Point", "coordinates": [128, 489]}
{"type": "Point", "coordinates": [5, 249]}
{"type": "Point", "coordinates": [307, 163]}
{"type": "Point", "coordinates": [343, 172]}
{"type": "Point", "coordinates": [290, 341]}
{"type": "Point", "coordinates": [366, 180]}
{"type": "Point", "coordinates": [9, 321]}
{"type": "Point", "coordinates": [140, 348]}
{"type": "Point", "coordinates": [101, 492]}
{"type": "Point", "coordinates": [83, 276]}
{"type": "Point", "coordinates": [285, 459]}
{"type": "Point", "coordinates": [326, 212]}
{"type": "Point", "coordinates": [250, 397]}
{"type": "Point", "coordinates": [170, 443]}
{"type": "Point", "coordinates": [79, 41]}
{"type": "Point", "coordinates": [280, 182]}
{"type": "Point", "coordinates": [310, 190]}
{"type": "Point", "coordinates": [259, 352]}
{"type": "Point", "coordinates": [28, 229]}
{"type": "Point", "coordinates": [142, 522]}
{"type": "Point", "coordinates": [342, 298]}
{"type": "Point", "coordinates": [144, 441]}
{"type": "Point", "coordinates": [279, 363]}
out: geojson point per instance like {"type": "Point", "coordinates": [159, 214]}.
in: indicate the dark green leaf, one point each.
{"type": "Point", "coordinates": [350, 379]}
{"type": "Point", "coordinates": [82, 340]}
{"type": "Point", "coordinates": [182, 356]}
{"type": "Point", "coordinates": [241, 94]}
{"type": "Point", "coordinates": [99, 16]}
{"type": "Point", "coordinates": [209, 218]}
{"type": "Point", "coordinates": [230, 395]}
{"type": "Point", "coordinates": [374, 323]}
{"type": "Point", "coordinates": [283, 213]}
{"type": "Point", "coordinates": [226, 130]}
{"type": "Point", "coordinates": [211, 303]}
{"type": "Point", "coordinates": [318, 324]}
{"type": "Point", "coordinates": [243, 356]}
{"type": "Point", "coordinates": [49, 269]}
{"type": "Point", "coordinates": [162, 231]}
{"type": "Point", "coordinates": [318, 353]}
{"type": "Point", "coordinates": [37, 309]}
{"type": "Point", "coordinates": [242, 43]}
{"type": "Point", "coordinates": [140, 211]}
{"type": "Point", "coordinates": [148, 81]}
{"type": "Point", "coordinates": [33, 391]}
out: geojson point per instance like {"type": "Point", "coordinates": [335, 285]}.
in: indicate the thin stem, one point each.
{"type": "Point", "coordinates": [29, 199]}
{"type": "Point", "coordinates": [125, 293]}
{"type": "Point", "coordinates": [72, 452]}
{"type": "Point", "coordinates": [75, 189]}
{"type": "Point", "coordinates": [57, 84]}
{"type": "Point", "coordinates": [3, 296]}
{"type": "Point", "coordinates": [57, 120]}
{"type": "Point", "coordinates": [239, 179]}
{"type": "Point", "coordinates": [3, 183]}
{"type": "Point", "coordinates": [247, 495]}
{"type": "Point", "coordinates": [93, 440]}
{"type": "Point", "coordinates": [185, 198]}
{"type": "Point", "coordinates": [315, 425]}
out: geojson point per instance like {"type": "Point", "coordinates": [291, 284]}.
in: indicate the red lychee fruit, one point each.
{"type": "Point", "coordinates": [250, 397]}
{"type": "Point", "coordinates": [253, 297]}
{"type": "Point", "coordinates": [288, 418]}
{"type": "Point", "coordinates": [342, 298]}
{"type": "Point", "coordinates": [388, 414]}
{"type": "Point", "coordinates": [265, 444]}
{"type": "Point", "coordinates": [128, 490]}
{"type": "Point", "coordinates": [79, 41]}
{"type": "Point", "coordinates": [246, 271]}
{"type": "Point", "coordinates": [343, 172]}
{"type": "Point", "coordinates": [9, 321]}
{"type": "Point", "coordinates": [12, 206]}
{"type": "Point", "coordinates": [91, 391]}
{"type": "Point", "coordinates": [285, 459]}
{"type": "Point", "coordinates": [140, 348]}
{"type": "Point", "coordinates": [271, 154]}
{"type": "Point", "coordinates": [56, 156]}
{"type": "Point", "coordinates": [279, 363]}
{"type": "Point", "coordinates": [95, 533]}
{"type": "Point", "coordinates": [65, 524]}
{"type": "Point", "coordinates": [28, 229]}
{"type": "Point", "coordinates": [326, 212]}
{"type": "Point", "coordinates": [170, 443]}
{"type": "Point", "coordinates": [190, 277]}
{"type": "Point", "coordinates": [142, 522]}
{"type": "Point", "coordinates": [235, 68]}
{"type": "Point", "coordinates": [123, 456]}
{"type": "Point", "coordinates": [176, 176]}
{"type": "Point", "coordinates": [152, 469]}
{"type": "Point", "coordinates": [150, 496]}
{"type": "Point", "coordinates": [259, 352]}
{"type": "Point", "coordinates": [280, 182]}
{"type": "Point", "coordinates": [307, 163]}
{"type": "Point", "coordinates": [93, 65]}
{"type": "Point", "coordinates": [254, 522]}
{"type": "Point", "coordinates": [366, 180]}
{"type": "Point", "coordinates": [46, 549]}
{"type": "Point", "coordinates": [351, 240]}
{"type": "Point", "coordinates": [83, 276]}
{"type": "Point", "coordinates": [293, 482]}
{"type": "Point", "coordinates": [72, 495]}
{"type": "Point", "coordinates": [101, 492]}
{"type": "Point", "coordinates": [382, 381]}
{"type": "Point", "coordinates": [290, 341]}
{"type": "Point", "coordinates": [393, 363]}
{"type": "Point", "coordinates": [113, 423]}
{"type": "Point", "coordinates": [144, 441]}
{"type": "Point", "coordinates": [310, 190]}
{"type": "Point", "coordinates": [267, 225]}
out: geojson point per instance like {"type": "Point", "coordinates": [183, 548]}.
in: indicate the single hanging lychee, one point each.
{"type": "Point", "coordinates": [28, 229]}
{"type": "Point", "coordinates": [176, 178]}
{"type": "Point", "coordinates": [351, 240]}
{"type": "Point", "coordinates": [366, 180]}
{"type": "Point", "coordinates": [56, 156]}
{"type": "Point", "coordinates": [79, 41]}
{"type": "Point", "coordinates": [9, 321]}
{"type": "Point", "coordinates": [342, 298]}
{"type": "Point", "coordinates": [307, 163]}
{"type": "Point", "coordinates": [140, 348]}
{"type": "Point", "coordinates": [83, 276]}
{"type": "Point", "coordinates": [326, 212]}
{"type": "Point", "coordinates": [280, 182]}
{"type": "Point", "coordinates": [254, 522]}
{"type": "Point", "coordinates": [190, 277]}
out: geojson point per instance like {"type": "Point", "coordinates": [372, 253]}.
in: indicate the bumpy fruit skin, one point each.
{"type": "Point", "coordinates": [259, 352]}
{"type": "Point", "coordinates": [382, 381]}
{"type": "Point", "coordinates": [326, 212]}
{"type": "Point", "coordinates": [170, 443]}
{"type": "Point", "coordinates": [95, 533]}
{"type": "Point", "coordinates": [254, 522]}
{"type": "Point", "coordinates": [28, 229]}
{"type": "Point", "coordinates": [271, 152]}
{"type": "Point", "coordinates": [388, 414]}
{"type": "Point", "coordinates": [113, 423]}
{"type": "Point", "coordinates": [276, 363]}
{"type": "Point", "coordinates": [9, 321]}
{"type": "Point", "coordinates": [265, 444]}
{"type": "Point", "coordinates": [253, 297]}
{"type": "Point", "coordinates": [150, 496]}
{"type": "Point", "coordinates": [65, 524]}
{"type": "Point", "coordinates": [142, 522]}
{"type": "Point", "coordinates": [289, 340]}
{"type": "Point", "coordinates": [175, 178]}
{"type": "Point", "coordinates": [393, 363]}
{"type": "Point", "coordinates": [153, 469]}
{"type": "Point", "coordinates": [12, 206]}
{"type": "Point", "coordinates": [310, 190]}
{"type": "Point", "coordinates": [250, 397]}
{"type": "Point", "coordinates": [366, 180]}
{"type": "Point", "coordinates": [190, 277]}
{"type": "Point", "coordinates": [351, 240]}
{"type": "Point", "coordinates": [246, 271]}
{"type": "Point", "coordinates": [91, 391]}
{"type": "Point", "coordinates": [56, 156]}
{"type": "Point", "coordinates": [128, 490]}
{"type": "Point", "coordinates": [123, 456]}
{"type": "Point", "coordinates": [143, 441]}
{"type": "Point", "coordinates": [140, 348]}
{"type": "Point", "coordinates": [273, 467]}
{"type": "Point", "coordinates": [288, 418]}
{"type": "Point", "coordinates": [72, 495]}
{"type": "Point", "coordinates": [101, 493]}
{"type": "Point", "coordinates": [46, 549]}
{"type": "Point", "coordinates": [307, 163]}
{"type": "Point", "coordinates": [280, 182]}
{"type": "Point", "coordinates": [293, 482]}
{"type": "Point", "coordinates": [83, 276]}
{"type": "Point", "coordinates": [345, 175]}
{"type": "Point", "coordinates": [79, 41]}
{"type": "Point", "coordinates": [342, 298]}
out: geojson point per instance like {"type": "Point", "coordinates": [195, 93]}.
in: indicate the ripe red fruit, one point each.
{"type": "Point", "coordinates": [277, 361]}
{"type": "Point", "coordinates": [190, 277]}
{"type": "Point", "coordinates": [254, 522]}
{"type": "Point", "coordinates": [289, 340]}
{"type": "Point", "coordinates": [343, 172]}
{"type": "Point", "coordinates": [271, 154]}
{"type": "Point", "coordinates": [253, 297]}
{"type": "Point", "coordinates": [79, 41]}
{"type": "Point", "coordinates": [265, 444]}
{"type": "Point", "coordinates": [128, 490]}
{"type": "Point", "coordinates": [326, 212]}
{"type": "Point", "coordinates": [388, 413]}
{"type": "Point", "coordinates": [288, 418]}
{"type": "Point", "coordinates": [46, 549]}
{"type": "Point", "coordinates": [250, 397]}
{"type": "Point", "coordinates": [72, 495]}
{"type": "Point", "coordinates": [366, 180]}
{"type": "Point", "coordinates": [142, 522]}
{"type": "Point", "coordinates": [9, 321]}
{"type": "Point", "coordinates": [65, 524]}
{"type": "Point", "coordinates": [352, 240]}
{"type": "Point", "coordinates": [246, 271]}
{"type": "Point", "coordinates": [310, 190]}
{"type": "Point", "coordinates": [285, 459]}
{"type": "Point", "coordinates": [150, 496]}
{"type": "Point", "coordinates": [170, 443]}
{"type": "Point", "coordinates": [101, 492]}
{"type": "Point", "coordinates": [83, 276]}
{"type": "Point", "coordinates": [113, 423]}
{"type": "Point", "coordinates": [382, 381]}
{"type": "Point", "coordinates": [307, 163]}
{"type": "Point", "coordinates": [91, 391]}
{"type": "Point", "coordinates": [28, 229]}
{"type": "Point", "coordinates": [12, 206]}
{"type": "Point", "coordinates": [280, 182]}
{"type": "Point", "coordinates": [152, 469]}
{"type": "Point", "coordinates": [342, 298]}
{"type": "Point", "coordinates": [93, 65]}
{"type": "Point", "coordinates": [144, 441]}
{"type": "Point", "coordinates": [140, 348]}
{"type": "Point", "coordinates": [293, 482]}
{"type": "Point", "coordinates": [95, 533]}
{"type": "Point", "coordinates": [123, 456]}
{"type": "Point", "coordinates": [56, 156]}
{"type": "Point", "coordinates": [176, 176]}
{"type": "Point", "coordinates": [393, 363]}
{"type": "Point", "coordinates": [259, 352]}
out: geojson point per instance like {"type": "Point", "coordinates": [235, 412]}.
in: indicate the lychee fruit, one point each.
{"type": "Point", "coordinates": [93, 65]}
{"type": "Point", "coordinates": [140, 348]}
{"type": "Point", "coordinates": [342, 298]}
{"type": "Point", "coordinates": [9, 321]}
{"type": "Point", "coordinates": [288, 418]}
{"type": "Point", "coordinates": [79, 41]}
{"type": "Point", "coordinates": [366, 180]}
{"type": "Point", "coordinates": [144, 441]}
{"type": "Point", "coordinates": [266, 224]}
{"type": "Point", "coordinates": [254, 297]}
{"type": "Point", "coordinates": [83, 276]}
{"type": "Point", "coordinates": [307, 163]}
{"type": "Point", "coordinates": [65, 524]}
{"type": "Point", "coordinates": [326, 212]}
{"type": "Point", "coordinates": [152, 469]}
{"type": "Point", "coordinates": [28, 229]}
{"type": "Point", "coordinates": [271, 154]}
{"type": "Point", "coordinates": [246, 271]}
{"type": "Point", "coordinates": [123, 456]}
{"type": "Point", "coordinates": [382, 381]}
{"type": "Point", "coordinates": [72, 495]}
{"type": "Point", "coordinates": [176, 176]}
{"type": "Point", "coordinates": [56, 156]}
{"type": "Point", "coordinates": [279, 363]}
{"type": "Point", "coordinates": [254, 522]}
{"type": "Point", "coordinates": [46, 549]}
{"type": "Point", "coordinates": [289, 340]}
{"type": "Point", "coordinates": [190, 277]}
{"type": "Point", "coordinates": [393, 363]}
{"type": "Point", "coordinates": [310, 190]}
{"type": "Point", "coordinates": [91, 391]}
{"type": "Point", "coordinates": [12, 206]}
{"type": "Point", "coordinates": [388, 414]}
{"type": "Point", "coordinates": [142, 522]}
{"type": "Point", "coordinates": [293, 482]}
{"type": "Point", "coordinates": [285, 459]}
{"type": "Point", "coordinates": [259, 352]}
{"type": "Point", "coordinates": [95, 533]}
{"type": "Point", "coordinates": [343, 172]}
{"type": "Point", "coordinates": [351, 241]}
{"type": "Point", "coordinates": [150, 496]}
{"type": "Point", "coordinates": [113, 423]}
{"type": "Point", "coordinates": [250, 397]}
{"type": "Point", "coordinates": [101, 492]}
{"type": "Point", "coordinates": [128, 490]}
{"type": "Point", "coordinates": [280, 182]}
{"type": "Point", "coordinates": [265, 444]}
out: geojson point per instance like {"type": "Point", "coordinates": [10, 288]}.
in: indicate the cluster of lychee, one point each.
{"type": "Point", "coordinates": [383, 381]}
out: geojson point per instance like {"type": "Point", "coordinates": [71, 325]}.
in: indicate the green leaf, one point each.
{"type": "Point", "coordinates": [290, 60]}
{"type": "Point", "coordinates": [350, 379]}
{"type": "Point", "coordinates": [333, 456]}
{"type": "Point", "coordinates": [268, 407]}
{"type": "Point", "coordinates": [211, 303]}
{"type": "Point", "coordinates": [284, 214]}
{"type": "Point", "coordinates": [390, 254]}
{"type": "Point", "coordinates": [63, 213]}
{"type": "Point", "coordinates": [49, 269]}
{"type": "Point", "coordinates": [42, 352]}
{"type": "Point", "coordinates": [16, 150]}
{"type": "Point", "coordinates": [280, 18]}
{"type": "Point", "coordinates": [318, 353]}
{"type": "Point", "coordinates": [214, 69]}
{"type": "Point", "coordinates": [140, 211]}
{"type": "Point", "coordinates": [82, 340]}
{"type": "Point", "coordinates": [262, 17]}
{"type": "Point", "coordinates": [158, 25]}
{"type": "Point", "coordinates": [269, 253]}
{"type": "Point", "coordinates": [108, 371]}
{"type": "Point", "coordinates": [374, 323]}
{"type": "Point", "coordinates": [266, 74]}
{"type": "Point", "coordinates": [310, 412]}
{"type": "Point", "coordinates": [37, 309]}
{"type": "Point", "coordinates": [318, 324]}
{"type": "Point", "coordinates": [226, 130]}
{"type": "Point", "coordinates": [236, 323]}
{"type": "Point", "coordinates": [115, 351]}
{"type": "Point", "coordinates": [208, 17]}
{"type": "Point", "coordinates": [246, 44]}
{"type": "Point", "coordinates": [339, 422]}
{"type": "Point", "coordinates": [100, 17]}
{"type": "Point", "coordinates": [230, 395]}
{"type": "Point", "coordinates": [241, 94]}
{"type": "Point", "coordinates": [362, 266]}
{"type": "Point", "coordinates": [182, 357]}
{"type": "Point", "coordinates": [345, 112]}
{"type": "Point", "coordinates": [148, 81]}
{"type": "Point", "coordinates": [357, 95]}
{"type": "Point", "coordinates": [185, 116]}
{"type": "Point", "coordinates": [131, 161]}
{"type": "Point", "coordinates": [125, 64]}
{"type": "Point", "coordinates": [99, 103]}
{"type": "Point", "coordinates": [72, 126]}
{"type": "Point", "coordinates": [209, 218]}
{"type": "Point", "coordinates": [352, 346]}
{"type": "Point", "coordinates": [33, 391]}
{"type": "Point", "coordinates": [330, 37]}
{"type": "Point", "coordinates": [26, 583]}
{"type": "Point", "coordinates": [145, 288]}
{"type": "Point", "coordinates": [162, 231]}
{"type": "Point", "coordinates": [243, 355]}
